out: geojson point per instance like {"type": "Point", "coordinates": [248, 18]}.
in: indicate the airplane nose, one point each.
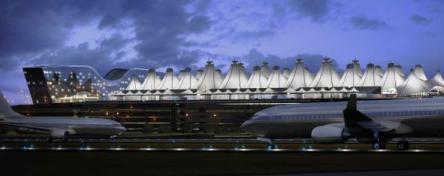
{"type": "Point", "coordinates": [121, 129]}
{"type": "Point", "coordinates": [246, 125]}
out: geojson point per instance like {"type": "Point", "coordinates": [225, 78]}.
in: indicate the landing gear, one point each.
{"type": "Point", "coordinates": [378, 143]}
{"type": "Point", "coordinates": [272, 146]}
{"type": "Point", "coordinates": [403, 145]}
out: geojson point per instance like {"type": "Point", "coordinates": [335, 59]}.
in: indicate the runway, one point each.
{"type": "Point", "coordinates": [93, 162]}
{"type": "Point", "coordinates": [210, 145]}
{"type": "Point", "coordinates": [211, 156]}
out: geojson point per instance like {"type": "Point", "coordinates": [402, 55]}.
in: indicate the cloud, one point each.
{"type": "Point", "coordinates": [27, 27]}
{"type": "Point", "coordinates": [420, 20]}
{"type": "Point", "coordinates": [316, 10]}
{"type": "Point", "coordinates": [252, 35]}
{"type": "Point", "coordinates": [311, 61]}
{"type": "Point", "coordinates": [160, 27]}
{"type": "Point", "coordinates": [35, 33]}
{"type": "Point", "coordinates": [362, 23]}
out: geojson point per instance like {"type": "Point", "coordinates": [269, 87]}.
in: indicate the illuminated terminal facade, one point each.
{"type": "Point", "coordinates": [208, 101]}
{"type": "Point", "coordinates": [58, 84]}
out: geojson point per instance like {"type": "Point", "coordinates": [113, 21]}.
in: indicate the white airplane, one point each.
{"type": "Point", "coordinates": [56, 127]}
{"type": "Point", "coordinates": [376, 122]}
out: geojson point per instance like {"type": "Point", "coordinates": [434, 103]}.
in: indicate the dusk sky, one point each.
{"type": "Point", "coordinates": [172, 33]}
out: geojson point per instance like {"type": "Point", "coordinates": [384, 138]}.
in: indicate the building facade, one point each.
{"type": "Point", "coordinates": [58, 84]}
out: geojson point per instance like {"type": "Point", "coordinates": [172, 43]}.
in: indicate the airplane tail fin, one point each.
{"type": "Point", "coordinates": [5, 109]}
{"type": "Point", "coordinates": [352, 115]}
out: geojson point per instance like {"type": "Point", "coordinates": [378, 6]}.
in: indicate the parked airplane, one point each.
{"type": "Point", "coordinates": [376, 122]}
{"type": "Point", "coordinates": [57, 127]}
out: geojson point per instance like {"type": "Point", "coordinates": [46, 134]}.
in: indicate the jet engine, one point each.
{"type": "Point", "coordinates": [332, 133]}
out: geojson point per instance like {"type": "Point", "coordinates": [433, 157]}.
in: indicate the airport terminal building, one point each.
{"type": "Point", "coordinates": [209, 100]}
{"type": "Point", "coordinates": [58, 84]}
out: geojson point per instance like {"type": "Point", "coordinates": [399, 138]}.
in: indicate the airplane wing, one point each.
{"type": "Point", "coordinates": [356, 120]}
{"type": "Point", "coordinates": [374, 126]}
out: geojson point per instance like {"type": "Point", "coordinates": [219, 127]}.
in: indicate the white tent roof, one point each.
{"type": "Point", "coordinates": [326, 76]}
{"type": "Point", "coordinates": [437, 80]}
{"type": "Point", "coordinates": [210, 78]}
{"type": "Point", "coordinates": [357, 67]}
{"type": "Point", "coordinates": [169, 81]}
{"type": "Point", "coordinates": [399, 70]}
{"type": "Point", "coordinates": [379, 71]}
{"type": "Point", "coordinates": [236, 78]}
{"type": "Point", "coordinates": [181, 73]}
{"type": "Point", "coordinates": [276, 79]}
{"type": "Point", "coordinates": [187, 80]}
{"type": "Point", "coordinates": [152, 81]}
{"type": "Point", "coordinates": [219, 76]}
{"type": "Point", "coordinates": [413, 86]}
{"type": "Point", "coordinates": [286, 72]}
{"type": "Point", "coordinates": [265, 69]}
{"type": "Point", "coordinates": [299, 76]}
{"type": "Point", "coordinates": [257, 80]}
{"type": "Point", "coordinates": [392, 78]}
{"type": "Point", "coordinates": [352, 75]}
{"type": "Point", "coordinates": [199, 74]}
{"type": "Point", "coordinates": [419, 72]}
{"type": "Point", "coordinates": [371, 77]}
{"type": "Point", "coordinates": [134, 84]}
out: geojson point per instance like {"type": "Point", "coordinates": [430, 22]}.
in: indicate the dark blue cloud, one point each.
{"type": "Point", "coordinates": [316, 10]}
{"type": "Point", "coordinates": [361, 22]}
{"type": "Point", "coordinates": [311, 61]}
{"type": "Point", "coordinates": [420, 20]}
{"type": "Point", "coordinates": [30, 28]}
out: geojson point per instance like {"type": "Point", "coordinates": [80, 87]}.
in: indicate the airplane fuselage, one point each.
{"type": "Point", "coordinates": [416, 118]}
{"type": "Point", "coordinates": [73, 125]}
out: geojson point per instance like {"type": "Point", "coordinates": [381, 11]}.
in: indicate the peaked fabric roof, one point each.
{"type": "Point", "coordinates": [352, 75]}
{"type": "Point", "coordinates": [357, 67]}
{"type": "Point", "coordinates": [392, 78]}
{"type": "Point", "coordinates": [437, 80]}
{"type": "Point", "coordinates": [326, 76]}
{"type": "Point", "coordinates": [187, 80]}
{"type": "Point", "coordinates": [210, 78]}
{"type": "Point", "coordinates": [419, 72]}
{"type": "Point", "coordinates": [276, 79]}
{"type": "Point", "coordinates": [257, 79]}
{"type": "Point", "coordinates": [371, 77]}
{"type": "Point", "coordinates": [286, 72]}
{"type": "Point", "coordinates": [379, 70]}
{"type": "Point", "coordinates": [169, 81]}
{"type": "Point", "coordinates": [398, 68]}
{"type": "Point", "coordinates": [236, 78]}
{"type": "Point", "coordinates": [265, 69]}
{"type": "Point", "coordinates": [413, 86]}
{"type": "Point", "coordinates": [199, 74]}
{"type": "Point", "coordinates": [299, 76]}
{"type": "Point", "coordinates": [181, 73]}
{"type": "Point", "coordinates": [134, 84]}
{"type": "Point", "coordinates": [152, 81]}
